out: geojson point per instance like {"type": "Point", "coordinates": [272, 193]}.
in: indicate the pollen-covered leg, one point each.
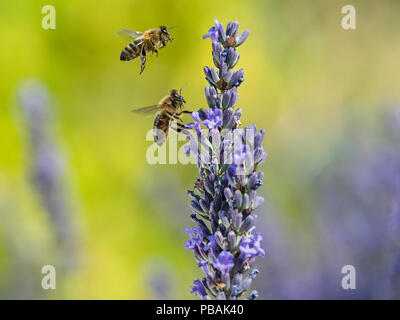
{"type": "Point", "coordinates": [173, 116]}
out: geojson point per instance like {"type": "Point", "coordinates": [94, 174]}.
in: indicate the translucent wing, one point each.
{"type": "Point", "coordinates": [129, 35]}
{"type": "Point", "coordinates": [147, 110]}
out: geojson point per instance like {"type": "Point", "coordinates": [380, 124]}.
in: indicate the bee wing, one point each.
{"type": "Point", "coordinates": [147, 110]}
{"type": "Point", "coordinates": [129, 35]}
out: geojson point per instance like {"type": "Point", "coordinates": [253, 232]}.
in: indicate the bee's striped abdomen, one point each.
{"type": "Point", "coordinates": [131, 51]}
{"type": "Point", "coordinates": [161, 128]}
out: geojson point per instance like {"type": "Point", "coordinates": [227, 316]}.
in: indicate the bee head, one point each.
{"type": "Point", "coordinates": [176, 95]}
{"type": "Point", "coordinates": [165, 33]}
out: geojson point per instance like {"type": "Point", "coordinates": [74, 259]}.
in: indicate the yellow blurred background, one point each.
{"type": "Point", "coordinates": [305, 79]}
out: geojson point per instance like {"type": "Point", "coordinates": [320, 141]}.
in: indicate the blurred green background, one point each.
{"type": "Point", "coordinates": [305, 79]}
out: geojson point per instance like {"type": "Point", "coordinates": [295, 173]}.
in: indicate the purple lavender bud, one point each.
{"type": "Point", "coordinates": [248, 223]}
{"type": "Point", "coordinates": [211, 76]}
{"type": "Point", "coordinates": [216, 203]}
{"type": "Point", "coordinates": [196, 208]}
{"type": "Point", "coordinates": [219, 238]}
{"type": "Point", "coordinates": [197, 254]}
{"type": "Point", "coordinates": [259, 155]}
{"type": "Point", "coordinates": [237, 220]}
{"type": "Point", "coordinates": [217, 51]}
{"type": "Point", "coordinates": [226, 279]}
{"type": "Point", "coordinates": [214, 97]}
{"type": "Point", "coordinates": [214, 75]}
{"type": "Point", "coordinates": [228, 121]}
{"type": "Point", "coordinates": [209, 188]}
{"type": "Point", "coordinates": [253, 295]}
{"type": "Point", "coordinates": [237, 114]}
{"type": "Point", "coordinates": [251, 181]}
{"type": "Point", "coordinates": [221, 34]}
{"type": "Point", "coordinates": [229, 98]}
{"type": "Point", "coordinates": [254, 273]}
{"type": "Point", "coordinates": [226, 97]}
{"type": "Point", "coordinates": [235, 291]}
{"type": "Point", "coordinates": [246, 283]}
{"type": "Point", "coordinates": [232, 241]}
{"type": "Point", "coordinates": [237, 280]}
{"type": "Point", "coordinates": [242, 38]}
{"type": "Point", "coordinates": [232, 28]}
{"type": "Point", "coordinates": [236, 79]}
{"type": "Point", "coordinates": [221, 296]}
{"type": "Point", "coordinates": [211, 256]}
{"type": "Point", "coordinates": [238, 199]}
{"type": "Point", "coordinates": [259, 138]}
{"type": "Point", "coordinates": [224, 219]}
{"type": "Point", "coordinates": [202, 226]}
{"type": "Point", "coordinates": [205, 205]}
{"type": "Point", "coordinates": [232, 57]}
{"type": "Point", "coordinates": [228, 193]}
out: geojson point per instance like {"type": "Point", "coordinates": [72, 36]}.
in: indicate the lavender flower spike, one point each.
{"type": "Point", "coordinates": [224, 196]}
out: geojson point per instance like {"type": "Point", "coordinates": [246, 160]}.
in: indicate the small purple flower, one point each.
{"type": "Point", "coordinates": [212, 97]}
{"type": "Point", "coordinates": [196, 125]}
{"type": "Point", "coordinates": [229, 38]}
{"type": "Point", "coordinates": [250, 246]}
{"type": "Point", "coordinates": [225, 262]}
{"type": "Point", "coordinates": [196, 238]}
{"type": "Point", "coordinates": [198, 289]}
{"type": "Point", "coordinates": [191, 148]}
{"type": "Point", "coordinates": [212, 244]}
{"type": "Point", "coordinates": [47, 168]}
{"type": "Point", "coordinates": [214, 119]}
{"type": "Point", "coordinates": [213, 32]}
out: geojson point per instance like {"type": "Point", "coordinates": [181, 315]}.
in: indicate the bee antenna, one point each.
{"type": "Point", "coordinates": [172, 27]}
{"type": "Point", "coordinates": [180, 90]}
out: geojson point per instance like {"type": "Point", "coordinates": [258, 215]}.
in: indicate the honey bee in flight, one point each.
{"type": "Point", "coordinates": [168, 109]}
{"type": "Point", "coordinates": [143, 43]}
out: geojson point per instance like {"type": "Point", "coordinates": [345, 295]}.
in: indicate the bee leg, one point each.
{"type": "Point", "coordinates": [175, 116]}
{"type": "Point", "coordinates": [143, 60]}
{"type": "Point", "coordinates": [153, 46]}
{"type": "Point", "coordinates": [181, 130]}
{"type": "Point", "coordinates": [184, 111]}
{"type": "Point", "coordinates": [180, 125]}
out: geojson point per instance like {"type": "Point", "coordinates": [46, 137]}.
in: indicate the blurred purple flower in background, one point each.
{"type": "Point", "coordinates": [224, 196]}
{"type": "Point", "coordinates": [47, 168]}
{"type": "Point", "coordinates": [354, 219]}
